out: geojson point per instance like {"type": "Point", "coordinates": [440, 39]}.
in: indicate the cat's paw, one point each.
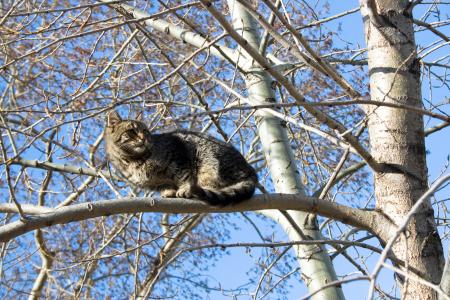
{"type": "Point", "coordinates": [170, 193]}
{"type": "Point", "coordinates": [184, 193]}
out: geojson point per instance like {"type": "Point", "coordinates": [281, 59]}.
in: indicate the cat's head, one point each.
{"type": "Point", "coordinates": [128, 137]}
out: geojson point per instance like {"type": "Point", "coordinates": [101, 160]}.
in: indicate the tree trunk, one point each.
{"type": "Point", "coordinates": [317, 269]}
{"type": "Point", "coordinates": [445, 280]}
{"type": "Point", "coordinates": [397, 138]}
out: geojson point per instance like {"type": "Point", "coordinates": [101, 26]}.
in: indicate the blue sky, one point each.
{"type": "Point", "coordinates": [230, 270]}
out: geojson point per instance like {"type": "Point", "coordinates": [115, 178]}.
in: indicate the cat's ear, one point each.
{"type": "Point", "coordinates": [139, 116]}
{"type": "Point", "coordinates": [113, 118]}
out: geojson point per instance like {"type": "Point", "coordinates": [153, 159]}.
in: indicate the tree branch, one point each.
{"type": "Point", "coordinates": [46, 165]}
{"type": "Point", "coordinates": [368, 220]}
{"type": "Point", "coordinates": [432, 29]}
{"type": "Point", "coordinates": [179, 33]}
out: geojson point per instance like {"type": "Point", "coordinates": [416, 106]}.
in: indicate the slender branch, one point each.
{"type": "Point", "coordinates": [12, 195]}
{"type": "Point", "coordinates": [324, 66]}
{"type": "Point", "coordinates": [280, 244]}
{"type": "Point", "coordinates": [338, 283]}
{"type": "Point", "coordinates": [63, 39]}
{"type": "Point", "coordinates": [47, 261]}
{"type": "Point", "coordinates": [432, 29]}
{"type": "Point", "coordinates": [267, 270]}
{"type": "Point", "coordinates": [332, 180]}
{"type": "Point", "coordinates": [267, 109]}
{"type": "Point", "coordinates": [166, 253]}
{"type": "Point", "coordinates": [55, 10]}
{"type": "Point", "coordinates": [417, 110]}
{"type": "Point", "coordinates": [438, 127]}
{"type": "Point", "coordinates": [108, 65]}
{"type": "Point", "coordinates": [46, 165]}
{"type": "Point", "coordinates": [337, 16]}
{"type": "Point", "coordinates": [417, 279]}
{"type": "Point", "coordinates": [263, 44]}
{"type": "Point", "coordinates": [10, 11]}
{"type": "Point", "coordinates": [93, 263]}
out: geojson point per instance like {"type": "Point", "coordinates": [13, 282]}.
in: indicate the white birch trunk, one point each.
{"type": "Point", "coordinates": [316, 266]}
{"type": "Point", "coordinates": [397, 138]}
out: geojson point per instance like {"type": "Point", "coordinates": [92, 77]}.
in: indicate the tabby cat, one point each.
{"type": "Point", "coordinates": [181, 163]}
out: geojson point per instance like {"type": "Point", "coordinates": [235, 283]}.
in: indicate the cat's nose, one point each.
{"type": "Point", "coordinates": [141, 135]}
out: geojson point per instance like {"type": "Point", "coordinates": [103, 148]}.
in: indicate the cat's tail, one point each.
{"type": "Point", "coordinates": [231, 194]}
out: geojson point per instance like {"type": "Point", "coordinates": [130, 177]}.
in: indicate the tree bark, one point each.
{"type": "Point", "coordinates": [445, 280]}
{"type": "Point", "coordinates": [317, 269]}
{"type": "Point", "coordinates": [41, 217]}
{"type": "Point", "coordinates": [397, 138]}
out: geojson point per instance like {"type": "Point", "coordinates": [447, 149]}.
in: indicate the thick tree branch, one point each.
{"type": "Point", "coordinates": [179, 33]}
{"type": "Point", "coordinates": [369, 220]}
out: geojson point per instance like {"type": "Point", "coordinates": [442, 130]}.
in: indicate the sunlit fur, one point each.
{"type": "Point", "coordinates": [130, 138]}
{"type": "Point", "coordinates": [183, 164]}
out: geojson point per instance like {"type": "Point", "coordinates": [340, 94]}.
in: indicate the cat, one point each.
{"type": "Point", "coordinates": [180, 163]}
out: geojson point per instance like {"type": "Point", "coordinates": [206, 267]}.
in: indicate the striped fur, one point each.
{"type": "Point", "coordinates": [182, 164]}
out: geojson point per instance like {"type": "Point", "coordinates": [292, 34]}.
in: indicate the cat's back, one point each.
{"type": "Point", "coordinates": [212, 153]}
{"type": "Point", "coordinates": [201, 141]}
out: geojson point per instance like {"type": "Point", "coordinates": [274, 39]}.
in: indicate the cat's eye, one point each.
{"type": "Point", "coordinates": [128, 135]}
{"type": "Point", "coordinates": [132, 133]}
